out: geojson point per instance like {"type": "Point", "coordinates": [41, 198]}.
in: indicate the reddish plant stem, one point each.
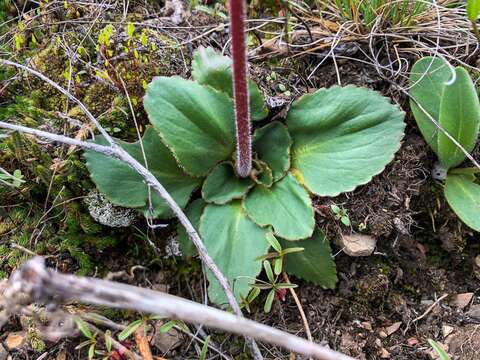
{"type": "Point", "coordinates": [240, 87]}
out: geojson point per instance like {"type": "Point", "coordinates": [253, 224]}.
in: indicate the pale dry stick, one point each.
{"type": "Point", "coordinates": [35, 280]}
{"type": "Point", "coordinates": [300, 308]}
{"type": "Point", "coordinates": [429, 309]}
{"type": "Point", "coordinates": [117, 152]}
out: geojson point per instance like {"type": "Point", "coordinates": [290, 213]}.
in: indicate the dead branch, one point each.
{"type": "Point", "coordinates": [35, 282]}
{"type": "Point", "coordinates": [114, 150]}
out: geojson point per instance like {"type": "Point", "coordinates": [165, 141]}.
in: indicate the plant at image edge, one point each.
{"type": "Point", "coordinates": [456, 107]}
{"type": "Point", "coordinates": [332, 141]}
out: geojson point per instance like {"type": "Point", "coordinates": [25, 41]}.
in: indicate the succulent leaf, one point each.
{"type": "Point", "coordinates": [196, 122]}
{"type": "Point", "coordinates": [342, 137]}
{"type": "Point", "coordinates": [194, 212]}
{"type": "Point", "coordinates": [427, 80]}
{"type": "Point", "coordinates": [463, 196]}
{"type": "Point", "coordinates": [213, 69]}
{"type": "Point", "coordinates": [460, 117]}
{"type": "Point", "coordinates": [123, 186]}
{"type": "Point", "coordinates": [234, 242]}
{"type": "Point", "coordinates": [286, 206]}
{"type": "Point", "coordinates": [315, 263]}
{"type": "Point", "coordinates": [272, 145]}
{"type": "Point", "coordinates": [222, 185]}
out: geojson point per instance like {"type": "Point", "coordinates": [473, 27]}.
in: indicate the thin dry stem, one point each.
{"type": "Point", "coordinates": [38, 283]}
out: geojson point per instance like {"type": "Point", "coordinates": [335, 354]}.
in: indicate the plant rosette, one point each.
{"type": "Point", "coordinates": [448, 95]}
{"type": "Point", "coordinates": [331, 141]}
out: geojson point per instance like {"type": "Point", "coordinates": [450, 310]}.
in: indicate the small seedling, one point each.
{"type": "Point", "coordinates": [340, 214]}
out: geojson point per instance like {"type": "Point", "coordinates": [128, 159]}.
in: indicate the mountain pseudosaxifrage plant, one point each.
{"type": "Point", "coordinates": [448, 95]}
{"type": "Point", "coordinates": [331, 141]}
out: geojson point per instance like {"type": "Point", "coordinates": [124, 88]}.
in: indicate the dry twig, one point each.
{"type": "Point", "coordinates": [34, 282]}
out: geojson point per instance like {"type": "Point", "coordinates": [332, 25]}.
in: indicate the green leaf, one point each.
{"type": "Point", "coordinates": [91, 351]}
{"type": "Point", "coordinates": [268, 270]}
{"type": "Point", "coordinates": [473, 9]}
{"type": "Point", "coordinates": [167, 326]}
{"type": "Point", "coordinates": [460, 117]}
{"type": "Point", "coordinates": [342, 137]}
{"type": "Point", "coordinates": [268, 303]}
{"type": "Point", "coordinates": [117, 180]}
{"type": "Point", "coordinates": [222, 185]}
{"type": "Point", "coordinates": [438, 349]}
{"type": "Point", "coordinates": [130, 329]}
{"type": "Point", "coordinates": [234, 242]}
{"type": "Point", "coordinates": [213, 69]}
{"type": "Point", "coordinates": [253, 294]}
{"type": "Point", "coordinates": [427, 80]}
{"type": "Point", "coordinates": [203, 353]}
{"type": "Point", "coordinates": [278, 266]}
{"type": "Point", "coordinates": [108, 340]}
{"type": "Point", "coordinates": [315, 263]}
{"type": "Point", "coordinates": [286, 206]}
{"type": "Point", "coordinates": [345, 220]}
{"type": "Point", "coordinates": [83, 327]}
{"type": "Point", "coordinates": [463, 196]}
{"type": "Point", "coordinates": [272, 145]}
{"type": "Point", "coordinates": [272, 240]}
{"type": "Point", "coordinates": [194, 121]}
{"type": "Point", "coordinates": [194, 212]}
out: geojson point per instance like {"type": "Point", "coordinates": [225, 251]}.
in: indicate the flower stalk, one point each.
{"type": "Point", "coordinates": [240, 87]}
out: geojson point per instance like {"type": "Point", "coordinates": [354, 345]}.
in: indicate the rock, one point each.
{"type": "Point", "coordinates": [461, 300]}
{"type": "Point", "coordinates": [367, 326]}
{"type": "Point", "coordinates": [384, 354]}
{"type": "Point", "coordinates": [3, 353]}
{"type": "Point", "coordinates": [474, 313]}
{"type": "Point", "coordinates": [446, 330]}
{"type": "Point", "coordinates": [383, 334]}
{"type": "Point", "coordinates": [358, 245]}
{"type": "Point", "coordinates": [15, 340]}
{"type": "Point", "coordinates": [166, 341]}
{"type": "Point", "coordinates": [393, 328]}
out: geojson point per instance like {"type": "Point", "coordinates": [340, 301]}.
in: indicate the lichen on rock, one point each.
{"type": "Point", "coordinates": [106, 213]}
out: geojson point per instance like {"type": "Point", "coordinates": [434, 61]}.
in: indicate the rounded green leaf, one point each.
{"type": "Point", "coordinates": [460, 117]}
{"type": "Point", "coordinates": [223, 185]}
{"type": "Point", "coordinates": [213, 69]}
{"type": "Point", "coordinates": [315, 263]}
{"type": "Point", "coordinates": [342, 137]}
{"type": "Point", "coordinates": [194, 121]}
{"type": "Point", "coordinates": [234, 242]}
{"type": "Point", "coordinates": [427, 80]}
{"type": "Point", "coordinates": [286, 206]}
{"type": "Point", "coordinates": [272, 144]}
{"type": "Point", "coordinates": [193, 211]}
{"type": "Point", "coordinates": [463, 196]}
{"type": "Point", "coordinates": [123, 186]}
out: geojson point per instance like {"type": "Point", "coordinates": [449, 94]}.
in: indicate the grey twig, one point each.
{"type": "Point", "coordinates": [39, 283]}
{"type": "Point", "coordinates": [116, 151]}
